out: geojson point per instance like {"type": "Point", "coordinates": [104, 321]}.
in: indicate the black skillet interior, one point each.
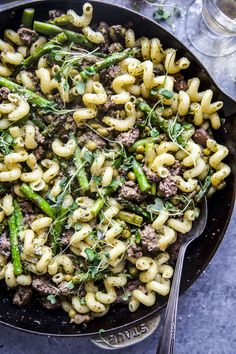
{"type": "Point", "coordinates": [36, 319]}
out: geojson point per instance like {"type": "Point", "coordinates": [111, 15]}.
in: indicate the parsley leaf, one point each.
{"type": "Point", "coordinates": [157, 206]}
{"type": "Point", "coordinates": [90, 254]}
{"type": "Point", "coordinates": [52, 299]}
{"type": "Point", "coordinates": [70, 285]}
{"type": "Point", "coordinates": [80, 87]}
{"type": "Point", "coordinates": [154, 133]}
{"type": "Point", "coordinates": [126, 296]}
{"type": "Point", "coordinates": [161, 14]}
{"type": "Point", "coordinates": [166, 93]}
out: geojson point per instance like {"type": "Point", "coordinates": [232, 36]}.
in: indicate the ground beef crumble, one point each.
{"type": "Point", "coordinates": [149, 238]}
{"type": "Point", "coordinates": [4, 91]}
{"type": "Point", "coordinates": [129, 137]}
{"type": "Point", "coordinates": [23, 295]}
{"type": "Point", "coordinates": [4, 245]}
{"type": "Point", "coordinates": [180, 83]}
{"type": "Point", "coordinates": [91, 136]}
{"type": "Point", "coordinates": [152, 176]}
{"type": "Point", "coordinates": [27, 35]}
{"type": "Point", "coordinates": [200, 137]}
{"type": "Point", "coordinates": [168, 187]}
{"type": "Point", "coordinates": [129, 190]}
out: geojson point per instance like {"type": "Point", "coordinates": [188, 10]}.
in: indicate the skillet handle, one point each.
{"type": "Point", "coordinates": [127, 337]}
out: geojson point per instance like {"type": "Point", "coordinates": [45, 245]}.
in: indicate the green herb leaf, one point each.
{"type": "Point", "coordinates": [83, 301]}
{"type": "Point", "coordinates": [52, 299]}
{"type": "Point", "coordinates": [88, 157]}
{"type": "Point", "coordinates": [78, 226]}
{"type": "Point", "coordinates": [161, 14]}
{"type": "Point", "coordinates": [101, 331]}
{"type": "Point", "coordinates": [90, 254]}
{"type": "Point", "coordinates": [166, 93]}
{"type": "Point", "coordinates": [157, 206]}
{"type": "Point", "coordinates": [70, 285]}
{"type": "Point", "coordinates": [154, 133]}
{"type": "Point", "coordinates": [138, 238]}
{"type": "Point", "coordinates": [126, 296]}
{"type": "Point", "coordinates": [80, 87]}
{"type": "Point", "coordinates": [66, 86]}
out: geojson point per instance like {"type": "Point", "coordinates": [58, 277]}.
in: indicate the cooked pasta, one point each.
{"type": "Point", "coordinates": [106, 152]}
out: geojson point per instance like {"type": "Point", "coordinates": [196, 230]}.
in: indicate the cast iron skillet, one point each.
{"type": "Point", "coordinates": [36, 319]}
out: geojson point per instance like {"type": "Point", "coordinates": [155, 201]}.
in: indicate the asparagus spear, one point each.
{"type": "Point", "coordinates": [62, 20]}
{"type": "Point", "coordinates": [31, 96]}
{"type": "Point", "coordinates": [14, 226]}
{"type": "Point", "coordinates": [135, 208]}
{"type": "Point", "coordinates": [130, 218]}
{"type": "Point", "coordinates": [27, 17]}
{"type": "Point", "coordinates": [52, 30]}
{"type": "Point", "coordinates": [42, 50]}
{"type": "Point", "coordinates": [38, 200]}
{"type": "Point", "coordinates": [18, 216]}
{"type": "Point", "coordinates": [155, 118]}
{"type": "Point", "coordinates": [81, 176]}
{"type": "Point", "coordinates": [142, 180]}
{"type": "Point", "coordinates": [105, 63]}
{"type": "Point", "coordinates": [205, 187]}
{"type": "Point", "coordinates": [104, 193]}
{"type": "Point", "coordinates": [142, 142]}
{"type": "Point", "coordinates": [97, 206]}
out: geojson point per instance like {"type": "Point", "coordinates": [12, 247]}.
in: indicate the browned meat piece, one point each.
{"type": "Point", "coordinates": [173, 250]}
{"type": "Point", "coordinates": [117, 33]}
{"type": "Point", "coordinates": [108, 75]}
{"type": "Point", "coordinates": [78, 319]}
{"type": "Point", "coordinates": [4, 245]}
{"type": "Point", "coordinates": [48, 305]}
{"type": "Point", "coordinates": [26, 206]}
{"type": "Point", "coordinates": [149, 238]}
{"type": "Point", "coordinates": [200, 137]}
{"type": "Point", "coordinates": [87, 61]}
{"type": "Point", "coordinates": [104, 29]}
{"type": "Point", "coordinates": [130, 286]}
{"type": "Point", "coordinates": [23, 295]}
{"type": "Point", "coordinates": [91, 136]}
{"type": "Point", "coordinates": [70, 124]}
{"type": "Point", "coordinates": [66, 236]}
{"type": "Point", "coordinates": [27, 35]}
{"type": "Point", "coordinates": [64, 289]}
{"type": "Point", "coordinates": [152, 176]}
{"type": "Point", "coordinates": [131, 191]}
{"type": "Point", "coordinates": [176, 169]}
{"type": "Point", "coordinates": [29, 218]}
{"type": "Point", "coordinates": [180, 83]}
{"type": "Point", "coordinates": [168, 187]}
{"type": "Point", "coordinates": [39, 138]}
{"type": "Point", "coordinates": [129, 137]}
{"type": "Point", "coordinates": [54, 13]}
{"type": "Point", "coordinates": [38, 152]}
{"type": "Point", "coordinates": [108, 106]}
{"type": "Point", "coordinates": [134, 251]}
{"type": "Point", "coordinates": [115, 47]}
{"type": "Point", "coordinates": [4, 91]}
{"type": "Point", "coordinates": [44, 286]}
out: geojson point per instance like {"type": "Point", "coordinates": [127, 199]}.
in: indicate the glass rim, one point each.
{"type": "Point", "coordinates": [224, 21]}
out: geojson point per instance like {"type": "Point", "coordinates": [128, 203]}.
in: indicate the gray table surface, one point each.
{"type": "Point", "coordinates": [207, 311]}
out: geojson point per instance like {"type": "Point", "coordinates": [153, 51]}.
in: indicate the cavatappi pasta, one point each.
{"type": "Point", "coordinates": [106, 151]}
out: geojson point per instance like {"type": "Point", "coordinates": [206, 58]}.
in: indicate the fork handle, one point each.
{"type": "Point", "coordinates": [167, 339]}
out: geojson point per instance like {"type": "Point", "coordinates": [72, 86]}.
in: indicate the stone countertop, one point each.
{"type": "Point", "coordinates": [207, 311]}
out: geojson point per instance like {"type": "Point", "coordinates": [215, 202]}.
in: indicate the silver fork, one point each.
{"type": "Point", "coordinates": [167, 339]}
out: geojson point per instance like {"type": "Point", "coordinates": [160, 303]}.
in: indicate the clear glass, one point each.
{"type": "Point", "coordinates": [211, 26]}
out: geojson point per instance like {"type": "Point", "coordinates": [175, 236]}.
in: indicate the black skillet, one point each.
{"type": "Point", "coordinates": [33, 317]}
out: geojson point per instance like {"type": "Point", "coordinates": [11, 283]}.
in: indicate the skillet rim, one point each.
{"type": "Point", "coordinates": [11, 5]}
